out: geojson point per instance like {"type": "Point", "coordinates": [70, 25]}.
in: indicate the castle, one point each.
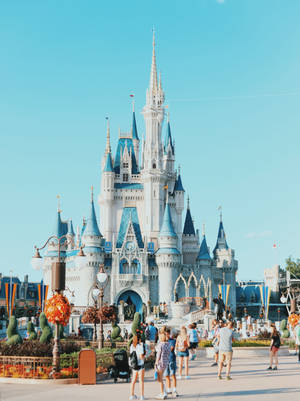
{"type": "Point", "coordinates": [148, 254]}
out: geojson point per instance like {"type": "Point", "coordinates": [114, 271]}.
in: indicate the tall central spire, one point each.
{"type": "Point", "coordinates": [153, 75]}
{"type": "Point", "coordinates": [108, 148]}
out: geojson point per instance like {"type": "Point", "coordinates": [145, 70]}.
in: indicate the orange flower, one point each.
{"type": "Point", "coordinates": [58, 309]}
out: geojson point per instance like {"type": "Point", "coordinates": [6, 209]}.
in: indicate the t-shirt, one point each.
{"type": "Point", "coordinates": [225, 344]}
{"type": "Point", "coordinates": [152, 332]}
{"type": "Point", "coordinates": [276, 341]}
{"type": "Point", "coordinates": [193, 335]}
{"type": "Point", "coordinates": [140, 350]}
{"type": "Point", "coordinates": [172, 343]}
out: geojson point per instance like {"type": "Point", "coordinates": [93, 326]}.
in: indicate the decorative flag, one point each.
{"type": "Point", "coordinates": [274, 246]}
{"type": "Point", "coordinates": [224, 291]}
{"type": "Point", "coordinates": [10, 297]}
{"type": "Point", "coordinates": [265, 293]}
{"type": "Point", "coordinates": [131, 95]}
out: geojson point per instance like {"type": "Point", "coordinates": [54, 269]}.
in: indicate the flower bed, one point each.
{"type": "Point", "coordinates": [239, 343]}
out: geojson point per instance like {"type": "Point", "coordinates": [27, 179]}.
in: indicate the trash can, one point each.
{"type": "Point", "coordinates": [87, 366]}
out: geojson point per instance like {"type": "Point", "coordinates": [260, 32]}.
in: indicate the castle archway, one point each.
{"type": "Point", "coordinates": [132, 303]}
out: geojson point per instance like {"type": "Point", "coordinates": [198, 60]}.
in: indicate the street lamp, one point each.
{"type": "Point", "coordinates": [102, 279]}
{"type": "Point", "coordinates": [58, 283]}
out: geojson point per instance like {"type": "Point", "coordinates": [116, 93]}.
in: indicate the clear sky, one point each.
{"type": "Point", "coordinates": [230, 71]}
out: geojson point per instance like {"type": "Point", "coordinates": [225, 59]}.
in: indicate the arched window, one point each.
{"type": "Point", "coordinates": [124, 266]}
{"type": "Point", "coordinates": [154, 165]}
{"type": "Point", "coordinates": [135, 267]}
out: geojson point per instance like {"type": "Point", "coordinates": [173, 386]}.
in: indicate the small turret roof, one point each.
{"type": "Point", "coordinates": [129, 215]}
{"type": "Point", "coordinates": [61, 227]}
{"type": "Point", "coordinates": [221, 240]}
{"type": "Point", "coordinates": [70, 228]}
{"type": "Point", "coordinates": [134, 128]}
{"type": "Point", "coordinates": [108, 168]}
{"type": "Point", "coordinates": [167, 228]}
{"type": "Point", "coordinates": [178, 184]}
{"type": "Point", "coordinates": [91, 227]}
{"type": "Point", "coordinates": [189, 228]}
{"type": "Point", "coordinates": [168, 140]}
{"type": "Point", "coordinates": [204, 252]}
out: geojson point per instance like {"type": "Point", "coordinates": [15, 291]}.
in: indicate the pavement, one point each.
{"type": "Point", "coordinates": [250, 382]}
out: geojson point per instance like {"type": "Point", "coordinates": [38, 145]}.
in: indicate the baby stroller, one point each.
{"type": "Point", "coordinates": [121, 369]}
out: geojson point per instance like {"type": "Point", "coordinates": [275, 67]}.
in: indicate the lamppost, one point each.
{"type": "Point", "coordinates": [98, 293]}
{"type": "Point", "coordinates": [58, 283]}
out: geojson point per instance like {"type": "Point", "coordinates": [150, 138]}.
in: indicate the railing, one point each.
{"type": "Point", "coordinates": [194, 301]}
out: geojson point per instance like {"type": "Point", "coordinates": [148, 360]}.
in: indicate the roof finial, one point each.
{"type": "Point", "coordinates": [203, 229]}
{"type": "Point", "coordinates": [58, 203]}
{"type": "Point", "coordinates": [92, 193]}
{"type": "Point", "coordinates": [159, 81]}
{"type": "Point", "coordinates": [188, 202]}
{"type": "Point", "coordinates": [132, 96]}
{"type": "Point", "coordinates": [220, 210]}
{"type": "Point", "coordinates": [108, 148]}
{"type": "Point", "coordinates": [179, 168]}
{"type": "Point", "coordinates": [153, 76]}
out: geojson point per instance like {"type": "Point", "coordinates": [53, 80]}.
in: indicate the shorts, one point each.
{"type": "Point", "coordinates": [274, 349]}
{"type": "Point", "coordinates": [181, 354]}
{"type": "Point", "coordinates": [170, 369]}
{"type": "Point", "coordinates": [193, 345]}
{"type": "Point", "coordinates": [225, 356]}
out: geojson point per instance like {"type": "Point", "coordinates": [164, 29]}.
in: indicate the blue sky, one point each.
{"type": "Point", "coordinates": [230, 71]}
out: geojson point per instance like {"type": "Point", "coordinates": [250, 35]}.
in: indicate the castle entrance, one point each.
{"type": "Point", "coordinates": [132, 303]}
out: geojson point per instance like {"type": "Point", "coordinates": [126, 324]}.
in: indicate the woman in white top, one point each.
{"type": "Point", "coordinates": [139, 348]}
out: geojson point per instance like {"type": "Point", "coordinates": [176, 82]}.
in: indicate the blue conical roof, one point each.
{"type": "Point", "coordinates": [91, 227]}
{"type": "Point", "coordinates": [108, 168]}
{"type": "Point", "coordinates": [61, 227]}
{"type": "Point", "coordinates": [70, 228]}
{"type": "Point", "coordinates": [204, 252]}
{"type": "Point", "coordinates": [167, 228]}
{"type": "Point", "coordinates": [168, 139]}
{"type": "Point", "coordinates": [189, 228]}
{"type": "Point", "coordinates": [221, 240]}
{"type": "Point", "coordinates": [134, 129]}
{"type": "Point", "coordinates": [178, 184]}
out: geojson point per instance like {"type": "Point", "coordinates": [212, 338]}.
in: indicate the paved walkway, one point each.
{"type": "Point", "coordinates": [250, 382]}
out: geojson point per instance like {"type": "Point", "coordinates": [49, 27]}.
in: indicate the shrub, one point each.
{"type": "Point", "coordinates": [115, 333]}
{"type": "Point", "coordinates": [31, 332]}
{"type": "Point", "coordinates": [46, 329]}
{"type": "Point", "coordinates": [13, 337]}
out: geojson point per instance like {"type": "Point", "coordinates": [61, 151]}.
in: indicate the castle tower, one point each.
{"type": "Point", "coordinates": [169, 151]}
{"type": "Point", "coordinates": [167, 257]}
{"type": "Point", "coordinates": [190, 240]}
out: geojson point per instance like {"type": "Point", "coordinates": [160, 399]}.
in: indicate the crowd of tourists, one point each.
{"type": "Point", "coordinates": [174, 348]}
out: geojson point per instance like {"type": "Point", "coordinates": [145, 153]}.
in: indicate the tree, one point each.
{"type": "Point", "coordinates": [90, 315]}
{"type": "Point", "coordinates": [293, 266]}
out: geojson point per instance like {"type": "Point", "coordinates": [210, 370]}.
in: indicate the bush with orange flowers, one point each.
{"type": "Point", "coordinates": [293, 319]}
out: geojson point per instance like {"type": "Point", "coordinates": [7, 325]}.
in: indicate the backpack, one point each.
{"type": "Point", "coordinates": [133, 361]}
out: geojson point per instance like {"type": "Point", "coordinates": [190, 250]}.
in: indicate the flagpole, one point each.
{"type": "Point", "coordinates": [10, 293]}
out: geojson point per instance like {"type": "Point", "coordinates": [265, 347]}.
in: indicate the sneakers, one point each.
{"type": "Point", "coordinates": [142, 398]}
{"type": "Point", "coordinates": [161, 397]}
{"type": "Point", "coordinates": [193, 357]}
{"type": "Point", "coordinates": [269, 368]}
{"type": "Point", "coordinates": [228, 378]}
{"type": "Point", "coordinates": [275, 368]}
{"type": "Point", "coordinates": [220, 377]}
{"type": "Point", "coordinates": [187, 377]}
{"type": "Point", "coordinates": [214, 364]}
{"type": "Point", "coordinates": [179, 377]}
{"type": "Point", "coordinates": [169, 391]}
{"type": "Point", "coordinates": [175, 394]}
{"type": "Point", "coordinates": [133, 397]}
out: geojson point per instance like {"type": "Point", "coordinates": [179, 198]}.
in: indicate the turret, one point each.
{"type": "Point", "coordinates": [169, 151]}
{"type": "Point", "coordinates": [190, 241]}
{"type": "Point", "coordinates": [167, 257]}
{"type": "Point", "coordinates": [71, 235]}
{"type": "Point", "coordinates": [204, 255]}
{"type": "Point", "coordinates": [91, 237]}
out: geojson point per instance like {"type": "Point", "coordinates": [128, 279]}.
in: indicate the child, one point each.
{"type": "Point", "coordinates": [162, 361]}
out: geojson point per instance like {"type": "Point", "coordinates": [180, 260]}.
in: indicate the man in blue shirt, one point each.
{"type": "Point", "coordinates": [151, 332]}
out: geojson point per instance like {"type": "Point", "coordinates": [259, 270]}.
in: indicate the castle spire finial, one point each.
{"type": "Point", "coordinates": [108, 148]}
{"type": "Point", "coordinates": [92, 193]}
{"type": "Point", "coordinates": [153, 75]}
{"type": "Point", "coordinates": [220, 210]}
{"type": "Point", "coordinates": [188, 202]}
{"type": "Point", "coordinates": [58, 203]}
{"type": "Point", "coordinates": [203, 229]}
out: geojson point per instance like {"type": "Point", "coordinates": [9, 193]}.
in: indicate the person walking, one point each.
{"type": "Point", "coordinates": [182, 349]}
{"type": "Point", "coordinates": [151, 333]}
{"type": "Point", "coordinates": [137, 357]}
{"type": "Point", "coordinates": [170, 372]}
{"type": "Point", "coordinates": [162, 360]}
{"type": "Point", "coordinates": [297, 339]}
{"type": "Point", "coordinates": [194, 340]}
{"type": "Point", "coordinates": [274, 348]}
{"type": "Point", "coordinates": [225, 349]}
{"type": "Point", "coordinates": [215, 332]}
